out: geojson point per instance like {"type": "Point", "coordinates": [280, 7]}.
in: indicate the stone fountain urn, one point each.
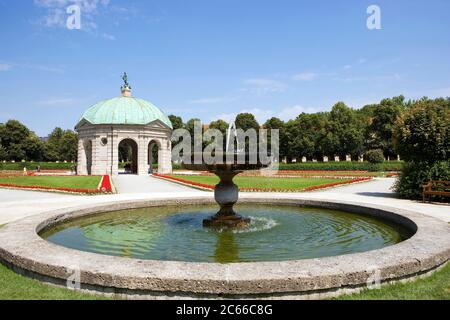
{"type": "Point", "coordinates": [226, 193]}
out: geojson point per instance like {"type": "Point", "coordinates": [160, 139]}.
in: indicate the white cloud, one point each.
{"type": "Point", "coordinates": [306, 76]}
{"type": "Point", "coordinates": [53, 69]}
{"type": "Point", "coordinates": [261, 115]}
{"type": "Point", "coordinates": [108, 36]}
{"type": "Point", "coordinates": [5, 67]}
{"type": "Point", "coordinates": [207, 100]}
{"type": "Point", "coordinates": [263, 85]}
{"type": "Point", "coordinates": [293, 112]}
{"type": "Point", "coordinates": [56, 15]}
{"type": "Point", "coordinates": [227, 117]}
{"type": "Point", "coordinates": [361, 61]}
{"type": "Point", "coordinates": [42, 68]}
{"type": "Point", "coordinates": [87, 6]}
{"type": "Point", "coordinates": [430, 93]}
{"type": "Point", "coordinates": [442, 92]}
{"type": "Point", "coordinates": [56, 102]}
{"type": "Point", "coordinates": [358, 62]}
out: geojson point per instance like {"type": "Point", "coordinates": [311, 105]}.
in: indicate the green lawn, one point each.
{"type": "Point", "coordinates": [74, 182]}
{"type": "Point", "coordinates": [16, 287]}
{"type": "Point", "coordinates": [331, 173]}
{"type": "Point", "coordinates": [264, 182]}
{"type": "Point", "coordinates": [434, 287]}
{"type": "Point", "coordinates": [437, 286]}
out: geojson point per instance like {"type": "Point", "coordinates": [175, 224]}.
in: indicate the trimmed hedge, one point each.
{"type": "Point", "coordinates": [375, 156]}
{"type": "Point", "coordinates": [10, 166]}
{"type": "Point", "coordinates": [343, 166]}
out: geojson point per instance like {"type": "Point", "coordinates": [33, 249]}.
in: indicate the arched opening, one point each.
{"type": "Point", "coordinates": [153, 156]}
{"type": "Point", "coordinates": [88, 152]}
{"type": "Point", "coordinates": [128, 157]}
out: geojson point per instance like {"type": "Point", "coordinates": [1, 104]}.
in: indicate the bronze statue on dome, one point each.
{"type": "Point", "coordinates": [125, 80]}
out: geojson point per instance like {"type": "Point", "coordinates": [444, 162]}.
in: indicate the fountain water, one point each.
{"type": "Point", "coordinates": [226, 193]}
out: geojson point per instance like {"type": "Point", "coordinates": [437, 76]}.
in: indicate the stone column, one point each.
{"type": "Point", "coordinates": [102, 156]}
{"type": "Point", "coordinates": [96, 161]}
{"type": "Point", "coordinates": [82, 163]}
{"type": "Point", "coordinates": [165, 158]}
{"type": "Point", "coordinates": [142, 156]}
{"type": "Point", "coordinates": [114, 144]}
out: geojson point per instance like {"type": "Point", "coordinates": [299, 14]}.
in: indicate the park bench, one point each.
{"type": "Point", "coordinates": [436, 188]}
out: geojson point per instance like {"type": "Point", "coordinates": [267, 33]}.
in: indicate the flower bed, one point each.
{"type": "Point", "coordinates": [105, 186]}
{"type": "Point", "coordinates": [312, 188]}
{"type": "Point", "coordinates": [186, 182]}
{"type": "Point", "coordinates": [392, 175]}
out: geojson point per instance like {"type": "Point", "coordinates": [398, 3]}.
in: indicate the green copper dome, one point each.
{"type": "Point", "coordinates": [125, 110]}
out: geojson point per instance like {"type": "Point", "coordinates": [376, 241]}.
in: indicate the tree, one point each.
{"type": "Point", "coordinates": [423, 134]}
{"type": "Point", "coordinates": [380, 132]}
{"type": "Point", "coordinates": [33, 147]}
{"type": "Point", "coordinates": [51, 147]}
{"type": "Point", "coordinates": [61, 146]}
{"type": "Point", "coordinates": [190, 126]}
{"type": "Point", "coordinates": [423, 140]}
{"type": "Point", "coordinates": [68, 146]}
{"type": "Point", "coordinates": [177, 122]}
{"type": "Point", "coordinates": [220, 125]}
{"type": "Point", "coordinates": [3, 153]}
{"type": "Point", "coordinates": [16, 152]}
{"type": "Point", "coordinates": [306, 135]}
{"type": "Point", "coordinates": [19, 143]}
{"type": "Point", "coordinates": [195, 139]}
{"type": "Point", "coordinates": [345, 135]}
{"type": "Point", "coordinates": [13, 132]}
{"type": "Point", "coordinates": [275, 123]}
{"type": "Point", "coordinates": [246, 121]}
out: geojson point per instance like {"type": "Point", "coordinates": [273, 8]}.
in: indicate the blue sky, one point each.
{"type": "Point", "coordinates": [212, 59]}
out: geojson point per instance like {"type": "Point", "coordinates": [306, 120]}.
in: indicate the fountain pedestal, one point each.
{"type": "Point", "coordinates": [226, 195]}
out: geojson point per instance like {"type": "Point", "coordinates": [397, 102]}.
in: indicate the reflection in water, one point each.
{"type": "Point", "coordinates": [276, 233]}
{"type": "Point", "coordinates": [227, 250]}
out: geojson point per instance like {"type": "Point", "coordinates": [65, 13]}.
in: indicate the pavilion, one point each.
{"type": "Point", "coordinates": [123, 123]}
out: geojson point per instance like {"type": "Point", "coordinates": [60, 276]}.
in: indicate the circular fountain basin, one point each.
{"type": "Point", "coordinates": [218, 271]}
{"type": "Point", "coordinates": [275, 233]}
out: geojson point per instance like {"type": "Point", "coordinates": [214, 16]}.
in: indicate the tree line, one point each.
{"type": "Point", "coordinates": [340, 132]}
{"type": "Point", "coordinates": [18, 143]}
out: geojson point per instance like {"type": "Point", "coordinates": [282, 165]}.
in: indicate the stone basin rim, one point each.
{"type": "Point", "coordinates": [25, 251]}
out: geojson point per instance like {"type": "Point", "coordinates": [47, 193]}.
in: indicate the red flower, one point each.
{"type": "Point", "coordinates": [105, 185]}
